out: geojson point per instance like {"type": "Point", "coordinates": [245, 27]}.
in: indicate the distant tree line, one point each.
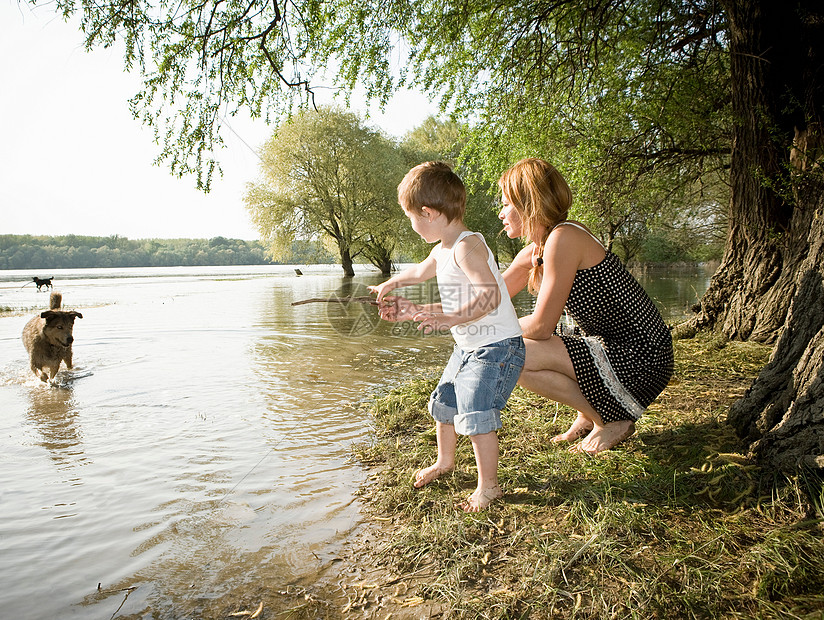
{"type": "Point", "coordinates": [78, 252]}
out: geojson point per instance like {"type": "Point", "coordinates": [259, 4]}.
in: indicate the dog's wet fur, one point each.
{"type": "Point", "coordinates": [48, 339]}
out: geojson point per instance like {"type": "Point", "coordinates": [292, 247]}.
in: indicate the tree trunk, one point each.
{"type": "Point", "coordinates": [346, 262]}
{"type": "Point", "coordinates": [382, 259]}
{"type": "Point", "coordinates": [772, 48]}
{"type": "Point", "coordinates": [386, 267]}
{"type": "Point", "coordinates": [770, 286]}
{"type": "Point", "coordinates": [783, 411]}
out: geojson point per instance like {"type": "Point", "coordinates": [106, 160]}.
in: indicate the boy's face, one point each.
{"type": "Point", "coordinates": [511, 218]}
{"type": "Point", "coordinates": [424, 223]}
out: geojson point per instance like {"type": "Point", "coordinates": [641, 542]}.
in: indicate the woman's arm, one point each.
{"type": "Point", "coordinates": [563, 253]}
{"type": "Point", "coordinates": [516, 276]}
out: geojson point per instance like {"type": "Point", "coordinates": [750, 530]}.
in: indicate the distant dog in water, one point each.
{"type": "Point", "coordinates": [41, 282]}
{"type": "Point", "coordinates": [48, 339]}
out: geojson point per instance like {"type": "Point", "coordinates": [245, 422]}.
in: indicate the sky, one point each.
{"type": "Point", "coordinates": [74, 161]}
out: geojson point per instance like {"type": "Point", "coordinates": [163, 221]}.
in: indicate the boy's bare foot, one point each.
{"type": "Point", "coordinates": [481, 499]}
{"type": "Point", "coordinates": [605, 437]}
{"type": "Point", "coordinates": [428, 474]}
{"type": "Point", "coordinates": [580, 427]}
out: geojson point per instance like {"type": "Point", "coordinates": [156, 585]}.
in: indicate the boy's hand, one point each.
{"type": "Point", "coordinates": [380, 290]}
{"type": "Point", "coordinates": [396, 309]}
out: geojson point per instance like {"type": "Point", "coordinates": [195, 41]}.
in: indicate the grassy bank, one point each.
{"type": "Point", "coordinates": [675, 523]}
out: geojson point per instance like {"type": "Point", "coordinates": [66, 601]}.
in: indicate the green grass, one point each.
{"type": "Point", "coordinates": [674, 523]}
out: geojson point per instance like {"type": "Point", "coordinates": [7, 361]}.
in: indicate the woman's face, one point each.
{"type": "Point", "coordinates": [513, 224]}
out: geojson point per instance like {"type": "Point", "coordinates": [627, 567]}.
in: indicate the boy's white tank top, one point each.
{"type": "Point", "coordinates": [454, 288]}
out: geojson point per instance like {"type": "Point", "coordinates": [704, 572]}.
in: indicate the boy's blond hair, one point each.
{"type": "Point", "coordinates": [433, 184]}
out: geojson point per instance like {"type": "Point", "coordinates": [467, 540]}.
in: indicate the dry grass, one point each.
{"type": "Point", "coordinates": [675, 523]}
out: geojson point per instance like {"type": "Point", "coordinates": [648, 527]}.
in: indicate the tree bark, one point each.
{"type": "Point", "coordinates": [386, 267]}
{"type": "Point", "coordinates": [783, 411]}
{"type": "Point", "coordinates": [770, 286]}
{"type": "Point", "coordinates": [773, 45]}
{"type": "Point", "coordinates": [383, 261]}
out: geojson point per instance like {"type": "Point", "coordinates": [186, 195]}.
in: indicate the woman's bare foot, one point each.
{"type": "Point", "coordinates": [605, 437]}
{"type": "Point", "coordinates": [481, 499]}
{"type": "Point", "coordinates": [428, 474]}
{"type": "Point", "coordinates": [580, 427]}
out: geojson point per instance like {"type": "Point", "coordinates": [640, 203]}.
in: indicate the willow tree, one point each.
{"type": "Point", "coordinates": [323, 174]}
{"type": "Point", "coordinates": [204, 61]}
{"type": "Point", "coordinates": [771, 284]}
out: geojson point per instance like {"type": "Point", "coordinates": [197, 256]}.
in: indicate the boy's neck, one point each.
{"type": "Point", "coordinates": [451, 232]}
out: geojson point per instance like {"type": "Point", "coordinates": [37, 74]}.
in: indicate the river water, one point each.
{"type": "Point", "coordinates": [199, 449]}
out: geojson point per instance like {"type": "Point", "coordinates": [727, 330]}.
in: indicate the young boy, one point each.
{"type": "Point", "coordinates": [475, 306]}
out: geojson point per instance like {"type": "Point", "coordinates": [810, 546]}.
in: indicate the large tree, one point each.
{"type": "Point", "coordinates": [694, 87]}
{"type": "Point", "coordinates": [771, 283]}
{"type": "Point", "coordinates": [326, 175]}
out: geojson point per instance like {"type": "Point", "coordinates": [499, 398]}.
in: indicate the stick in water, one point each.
{"type": "Point", "coordinates": [339, 300]}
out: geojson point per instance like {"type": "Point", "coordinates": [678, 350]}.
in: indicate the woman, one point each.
{"type": "Point", "coordinates": [620, 358]}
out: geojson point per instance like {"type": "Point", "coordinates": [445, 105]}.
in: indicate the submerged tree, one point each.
{"type": "Point", "coordinates": [325, 175]}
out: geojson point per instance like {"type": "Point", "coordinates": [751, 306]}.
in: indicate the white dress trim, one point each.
{"type": "Point", "coordinates": [610, 379]}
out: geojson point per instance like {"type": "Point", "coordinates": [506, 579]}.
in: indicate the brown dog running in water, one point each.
{"type": "Point", "coordinates": [48, 339]}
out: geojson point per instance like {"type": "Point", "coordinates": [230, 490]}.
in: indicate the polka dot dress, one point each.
{"type": "Point", "coordinates": [623, 355]}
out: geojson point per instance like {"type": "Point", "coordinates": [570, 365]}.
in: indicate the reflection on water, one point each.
{"type": "Point", "coordinates": [197, 456]}
{"type": "Point", "coordinates": [53, 413]}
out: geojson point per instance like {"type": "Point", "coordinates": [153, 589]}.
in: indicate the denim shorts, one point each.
{"type": "Point", "coordinates": [475, 386]}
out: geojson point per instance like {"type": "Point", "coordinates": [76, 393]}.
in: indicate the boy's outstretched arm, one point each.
{"type": "Point", "coordinates": [484, 296]}
{"type": "Point", "coordinates": [415, 274]}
